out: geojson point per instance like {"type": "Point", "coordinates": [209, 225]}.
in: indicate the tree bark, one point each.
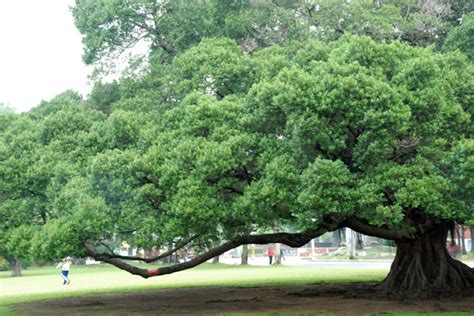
{"type": "Point", "coordinates": [215, 259]}
{"type": "Point", "coordinates": [472, 239]}
{"type": "Point", "coordinates": [245, 254]}
{"type": "Point", "coordinates": [16, 267]}
{"type": "Point", "coordinates": [423, 268]}
{"type": "Point", "coordinates": [350, 240]}
{"type": "Point", "coordinates": [459, 247]}
{"type": "Point", "coordinates": [359, 242]}
{"type": "Point", "coordinates": [277, 253]}
{"type": "Point", "coordinates": [463, 242]}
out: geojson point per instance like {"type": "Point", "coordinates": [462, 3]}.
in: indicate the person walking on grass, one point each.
{"type": "Point", "coordinates": [65, 266]}
{"type": "Point", "coordinates": [270, 254]}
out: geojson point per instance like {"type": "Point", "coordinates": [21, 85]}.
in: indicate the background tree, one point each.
{"type": "Point", "coordinates": [162, 28]}
{"type": "Point", "coordinates": [110, 28]}
{"type": "Point", "coordinates": [103, 96]}
{"type": "Point", "coordinates": [40, 151]}
{"type": "Point", "coordinates": [462, 37]}
{"type": "Point", "coordinates": [4, 108]}
{"type": "Point", "coordinates": [245, 255]}
{"type": "Point", "coordinates": [155, 31]}
{"type": "Point", "coordinates": [21, 201]}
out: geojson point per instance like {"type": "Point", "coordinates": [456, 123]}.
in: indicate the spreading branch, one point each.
{"type": "Point", "coordinates": [289, 239]}
{"type": "Point", "coordinates": [178, 246]}
{"type": "Point", "coordinates": [367, 229]}
{"type": "Point", "coordinates": [396, 235]}
{"type": "Point", "coordinates": [90, 251]}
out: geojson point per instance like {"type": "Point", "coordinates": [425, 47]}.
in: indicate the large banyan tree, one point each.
{"type": "Point", "coordinates": [282, 146]}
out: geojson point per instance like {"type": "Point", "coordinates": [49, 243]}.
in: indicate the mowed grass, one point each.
{"type": "Point", "coordinates": [83, 278]}
{"type": "Point", "coordinates": [46, 283]}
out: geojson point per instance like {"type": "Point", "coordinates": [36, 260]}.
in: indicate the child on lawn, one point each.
{"type": "Point", "coordinates": [65, 266]}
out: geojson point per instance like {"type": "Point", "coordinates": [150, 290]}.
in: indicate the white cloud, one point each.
{"type": "Point", "coordinates": [40, 52]}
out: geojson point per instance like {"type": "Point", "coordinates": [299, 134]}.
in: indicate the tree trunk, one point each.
{"type": "Point", "coordinates": [16, 267]}
{"type": "Point", "coordinates": [351, 243]}
{"type": "Point", "coordinates": [245, 254]}
{"type": "Point", "coordinates": [459, 249]}
{"type": "Point", "coordinates": [463, 242]}
{"type": "Point", "coordinates": [424, 269]}
{"type": "Point", "coordinates": [277, 253]}
{"type": "Point", "coordinates": [215, 259]}
{"type": "Point", "coordinates": [359, 241]}
{"type": "Point", "coordinates": [472, 239]}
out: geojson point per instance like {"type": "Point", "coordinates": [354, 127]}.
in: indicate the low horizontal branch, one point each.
{"type": "Point", "coordinates": [396, 235]}
{"type": "Point", "coordinates": [90, 251]}
{"type": "Point", "coordinates": [289, 239]}
{"type": "Point", "coordinates": [367, 229]}
{"type": "Point", "coordinates": [178, 246]}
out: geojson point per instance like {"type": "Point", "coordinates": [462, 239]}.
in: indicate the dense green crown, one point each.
{"type": "Point", "coordinates": [247, 143]}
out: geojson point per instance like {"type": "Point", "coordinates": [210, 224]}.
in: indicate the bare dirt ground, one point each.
{"type": "Point", "coordinates": [220, 300]}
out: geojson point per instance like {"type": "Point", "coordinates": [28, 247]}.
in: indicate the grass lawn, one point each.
{"type": "Point", "coordinates": [47, 280]}
{"type": "Point", "coordinates": [46, 283]}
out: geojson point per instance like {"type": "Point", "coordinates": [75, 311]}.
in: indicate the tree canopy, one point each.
{"type": "Point", "coordinates": [235, 138]}
{"type": "Point", "coordinates": [462, 37]}
{"type": "Point", "coordinates": [116, 30]}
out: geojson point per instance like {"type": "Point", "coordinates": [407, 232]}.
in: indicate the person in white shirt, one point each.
{"type": "Point", "coordinates": [65, 266]}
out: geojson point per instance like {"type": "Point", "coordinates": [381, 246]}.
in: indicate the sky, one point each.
{"type": "Point", "coordinates": [40, 52]}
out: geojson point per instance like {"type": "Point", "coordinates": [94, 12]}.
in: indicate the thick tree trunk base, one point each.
{"type": "Point", "coordinates": [424, 269]}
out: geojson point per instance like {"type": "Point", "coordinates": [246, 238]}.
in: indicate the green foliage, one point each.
{"type": "Point", "coordinates": [353, 128]}
{"type": "Point", "coordinates": [60, 101]}
{"type": "Point", "coordinates": [462, 37]}
{"type": "Point", "coordinates": [6, 118]}
{"type": "Point", "coordinates": [326, 188]}
{"type": "Point", "coordinates": [41, 151]}
{"type": "Point", "coordinates": [103, 96]}
{"type": "Point", "coordinates": [235, 136]}
{"type": "Point", "coordinates": [85, 221]}
{"type": "Point", "coordinates": [217, 66]}
{"type": "Point", "coordinates": [461, 167]}
{"type": "Point", "coordinates": [111, 29]}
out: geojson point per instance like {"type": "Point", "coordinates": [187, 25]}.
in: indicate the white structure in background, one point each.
{"type": "Point", "coordinates": [91, 261]}
{"type": "Point", "coordinates": [126, 250]}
